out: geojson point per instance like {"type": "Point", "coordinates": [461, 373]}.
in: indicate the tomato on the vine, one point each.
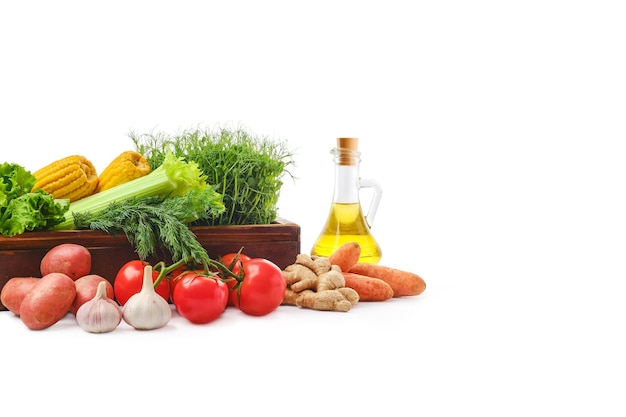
{"type": "Point", "coordinates": [233, 261]}
{"type": "Point", "coordinates": [129, 280]}
{"type": "Point", "coordinates": [175, 276]}
{"type": "Point", "coordinates": [260, 287]}
{"type": "Point", "coordinates": [198, 297]}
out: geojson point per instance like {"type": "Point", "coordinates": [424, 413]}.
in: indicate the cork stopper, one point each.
{"type": "Point", "coordinates": [351, 144]}
{"type": "Point", "coordinates": [347, 152]}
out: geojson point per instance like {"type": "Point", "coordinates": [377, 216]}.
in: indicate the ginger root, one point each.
{"type": "Point", "coordinates": [312, 282]}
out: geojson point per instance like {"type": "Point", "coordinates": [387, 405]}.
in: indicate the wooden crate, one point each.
{"type": "Point", "coordinates": [21, 255]}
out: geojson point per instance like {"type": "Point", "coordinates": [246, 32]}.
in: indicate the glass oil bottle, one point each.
{"type": "Point", "coordinates": [346, 221]}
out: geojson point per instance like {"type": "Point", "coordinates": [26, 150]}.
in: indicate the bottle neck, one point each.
{"type": "Point", "coordinates": [346, 176]}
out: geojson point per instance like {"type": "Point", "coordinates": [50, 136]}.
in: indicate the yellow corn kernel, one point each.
{"type": "Point", "coordinates": [72, 177]}
{"type": "Point", "coordinates": [129, 165]}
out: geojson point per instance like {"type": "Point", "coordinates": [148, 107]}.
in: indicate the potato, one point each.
{"type": "Point", "coordinates": [86, 287]}
{"type": "Point", "coordinates": [48, 301]}
{"type": "Point", "coordinates": [70, 259]}
{"type": "Point", "coordinates": [14, 292]}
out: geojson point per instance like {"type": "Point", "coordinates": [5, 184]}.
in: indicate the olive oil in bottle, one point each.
{"type": "Point", "coordinates": [346, 221]}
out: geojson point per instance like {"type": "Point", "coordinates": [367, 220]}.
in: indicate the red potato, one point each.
{"type": "Point", "coordinates": [70, 259]}
{"type": "Point", "coordinates": [86, 288]}
{"type": "Point", "coordinates": [48, 301]}
{"type": "Point", "coordinates": [14, 292]}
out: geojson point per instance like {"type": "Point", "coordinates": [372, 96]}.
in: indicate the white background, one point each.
{"type": "Point", "coordinates": [494, 129]}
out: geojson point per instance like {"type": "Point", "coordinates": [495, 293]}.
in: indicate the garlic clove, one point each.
{"type": "Point", "coordinates": [100, 314]}
{"type": "Point", "coordinates": [147, 310]}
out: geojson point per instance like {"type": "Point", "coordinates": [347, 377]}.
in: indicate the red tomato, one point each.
{"type": "Point", "coordinates": [200, 298]}
{"type": "Point", "coordinates": [235, 266]}
{"type": "Point", "coordinates": [230, 257]}
{"type": "Point", "coordinates": [262, 288]}
{"type": "Point", "coordinates": [175, 276]}
{"type": "Point", "coordinates": [129, 280]}
{"type": "Point", "coordinates": [177, 271]}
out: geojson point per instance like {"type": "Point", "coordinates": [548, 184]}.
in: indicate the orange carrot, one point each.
{"type": "Point", "coordinates": [346, 255]}
{"type": "Point", "coordinates": [368, 288]}
{"type": "Point", "coordinates": [404, 283]}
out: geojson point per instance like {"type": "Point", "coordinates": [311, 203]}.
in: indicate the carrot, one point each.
{"type": "Point", "coordinates": [346, 255]}
{"type": "Point", "coordinates": [368, 288]}
{"type": "Point", "coordinates": [404, 283]}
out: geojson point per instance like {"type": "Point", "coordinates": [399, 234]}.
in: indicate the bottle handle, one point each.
{"type": "Point", "coordinates": [373, 207]}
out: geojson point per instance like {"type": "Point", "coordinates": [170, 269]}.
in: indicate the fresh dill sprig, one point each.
{"type": "Point", "coordinates": [152, 223]}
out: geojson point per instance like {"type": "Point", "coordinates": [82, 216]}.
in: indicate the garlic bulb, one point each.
{"type": "Point", "coordinates": [100, 314]}
{"type": "Point", "coordinates": [147, 310]}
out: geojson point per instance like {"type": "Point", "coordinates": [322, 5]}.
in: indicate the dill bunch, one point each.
{"type": "Point", "coordinates": [246, 169]}
{"type": "Point", "coordinates": [156, 222]}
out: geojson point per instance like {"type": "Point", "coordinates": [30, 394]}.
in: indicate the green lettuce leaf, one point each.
{"type": "Point", "coordinates": [22, 210]}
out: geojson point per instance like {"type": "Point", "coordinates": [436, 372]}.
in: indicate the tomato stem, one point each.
{"type": "Point", "coordinates": [164, 269]}
{"type": "Point", "coordinates": [226, 270]}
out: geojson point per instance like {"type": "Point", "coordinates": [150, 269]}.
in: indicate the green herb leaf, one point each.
{"type": "Point", "coordinates": [244, 168]}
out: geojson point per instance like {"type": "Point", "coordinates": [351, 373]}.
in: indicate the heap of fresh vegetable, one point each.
{"type": "Point", "coordinates": [246, 169]}
{"type": "Point", "coordinates": [340, 281]}
{"type": "Point", "coordinates": [152, 195]}
{"type": "Point", "coordinates": [142, 295]}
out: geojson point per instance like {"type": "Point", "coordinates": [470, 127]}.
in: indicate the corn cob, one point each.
{"type": "Point", "coordinates": [127, 166]}
{"type": "Point", "coordinates": [72, 177]}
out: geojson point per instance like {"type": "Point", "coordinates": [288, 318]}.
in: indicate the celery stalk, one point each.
{"type": "Point", "coordinates": [174, 177]}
